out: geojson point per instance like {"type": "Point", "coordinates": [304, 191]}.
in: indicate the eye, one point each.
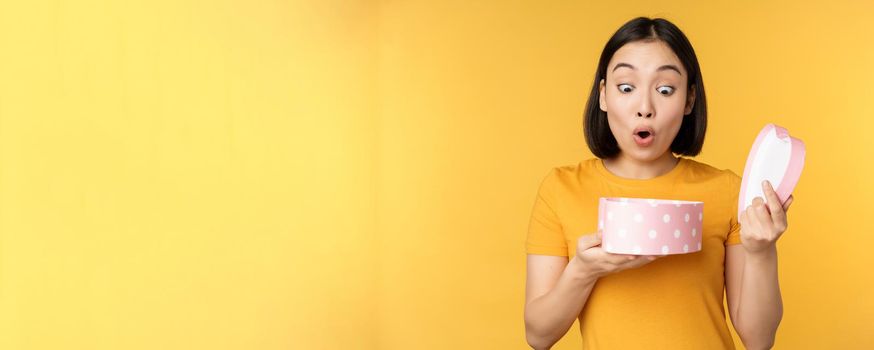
{"type": "Point", "coordinates": [665, 90]}
{"type": "Point", "coordinates": [625, 88]}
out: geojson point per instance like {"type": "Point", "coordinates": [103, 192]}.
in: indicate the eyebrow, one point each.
{"type": "Point", "coordinates": [662, 68]}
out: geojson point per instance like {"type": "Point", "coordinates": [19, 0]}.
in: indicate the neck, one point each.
{"type": "Point", "coordinates": [627, 167]}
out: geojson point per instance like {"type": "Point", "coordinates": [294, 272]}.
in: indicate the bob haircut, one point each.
{"type": "Point", "coordinates": [690, 138]}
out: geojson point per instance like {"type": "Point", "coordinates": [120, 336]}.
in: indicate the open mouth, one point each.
{"type": "Point", "coordinates": [644, 137]}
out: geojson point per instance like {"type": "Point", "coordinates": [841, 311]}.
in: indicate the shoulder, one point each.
{"type": "Point", "coordinates": [719, 180]}
{"type": "Point", "coordinates": [585, 167]}
{"type": "Point", "coordinates": [704, 171]}
{"type": "Point", "coordinates": [563, 179]}
{"type": "Point", "coordinates": [573, 174]}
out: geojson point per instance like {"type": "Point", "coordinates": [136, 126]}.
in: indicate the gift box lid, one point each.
{"type": "Point", "coordinates": [776, 157]}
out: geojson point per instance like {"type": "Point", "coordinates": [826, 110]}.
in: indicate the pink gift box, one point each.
{"type": "Point", "coordinates": [647, 226]}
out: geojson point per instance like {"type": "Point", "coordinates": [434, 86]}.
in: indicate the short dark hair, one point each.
{"type": "Point", "coordinates": [690, 138]}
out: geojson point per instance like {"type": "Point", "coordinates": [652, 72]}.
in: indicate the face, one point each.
{"type": "Point", "coordinates": [645, 89]}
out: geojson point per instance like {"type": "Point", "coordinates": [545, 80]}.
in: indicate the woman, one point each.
{"type": "Point", "coordinates": [648, 103]}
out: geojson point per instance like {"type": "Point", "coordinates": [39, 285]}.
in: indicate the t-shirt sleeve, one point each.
{"type": "Point", "coordinates": [545, 233]}
{"type": "Point", "coordinates": [734, 182]}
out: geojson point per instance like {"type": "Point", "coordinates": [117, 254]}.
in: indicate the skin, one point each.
{"type": "Point", "coordinates": [649, 93]}
{"type": "Point", "coordinates": [645, 85]}
{"type": "Point", "coordinates": [751, 283]}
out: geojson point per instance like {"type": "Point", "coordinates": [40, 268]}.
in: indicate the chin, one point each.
{"type": "Point", "coordinates": [647, 155]}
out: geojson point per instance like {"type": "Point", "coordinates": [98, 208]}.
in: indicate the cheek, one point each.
{"type": "Point", "coordinates": [618, 105]}
{"type": "Point", "coordinates": [672, 106]}
{"type": "Point", "coordinates": [616, 108]}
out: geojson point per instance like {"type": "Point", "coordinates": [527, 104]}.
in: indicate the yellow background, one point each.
{"type": "Point", "coordinates": [359, 174]}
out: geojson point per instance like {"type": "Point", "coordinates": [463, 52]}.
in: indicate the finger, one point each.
{"type": "Point", "coordinates": [643, 260]}
{"type": "Point", "coordinates": [758, 201]}
{"type": "Point", "coordinates": [753, 220]}
{"type": "Point", "coordinates": [618, 259]}
{"type": "Point", "coordinates": [775, 206]}
{"type": "Point", "coordinates": [763, 218]}
{"type": "Point", "coordinates": [635, 263]}
{"type": "Point", "coordinates": [788, 203]}
{"type": "Point", "coordinates": [588, 241]}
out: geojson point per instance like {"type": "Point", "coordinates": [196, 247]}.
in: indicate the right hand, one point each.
{"type": "Point", "coordinates": [597, 262]}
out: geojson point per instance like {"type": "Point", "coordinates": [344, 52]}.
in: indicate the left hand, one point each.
{"type": "Point", "coordinates": [761, 224]}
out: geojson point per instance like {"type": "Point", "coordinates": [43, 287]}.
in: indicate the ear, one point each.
{"type": "Point", "coordinates": [602, 99]}
{"type": "Point", "coordinates": [690, 100]}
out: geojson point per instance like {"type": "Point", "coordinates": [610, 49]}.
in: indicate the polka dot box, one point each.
{"type": "Point", "coordinates": [644, 226]}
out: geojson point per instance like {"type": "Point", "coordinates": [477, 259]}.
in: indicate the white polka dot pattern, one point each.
{"type": "Point", "coordinates": [633, 225]}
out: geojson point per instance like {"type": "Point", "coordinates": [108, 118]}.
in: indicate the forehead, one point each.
{"type": "Point", "coordinates": [646, 56]}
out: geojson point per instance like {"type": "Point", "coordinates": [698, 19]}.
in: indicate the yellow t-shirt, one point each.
{"type": "Point", "coordinates": [675, 302]}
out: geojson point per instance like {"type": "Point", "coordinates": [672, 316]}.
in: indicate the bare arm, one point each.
{"type": "Point", "coordinates": [752, 285]}
{"type": "Point", "coordinates": [756, 306]}
{"type": "Point", "coordinates": [556, 290]}
{"type": "Point", "coordinates": [555, 299]}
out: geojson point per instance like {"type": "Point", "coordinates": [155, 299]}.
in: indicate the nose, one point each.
{"type": "Point", "coordinates": [646, 108]}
